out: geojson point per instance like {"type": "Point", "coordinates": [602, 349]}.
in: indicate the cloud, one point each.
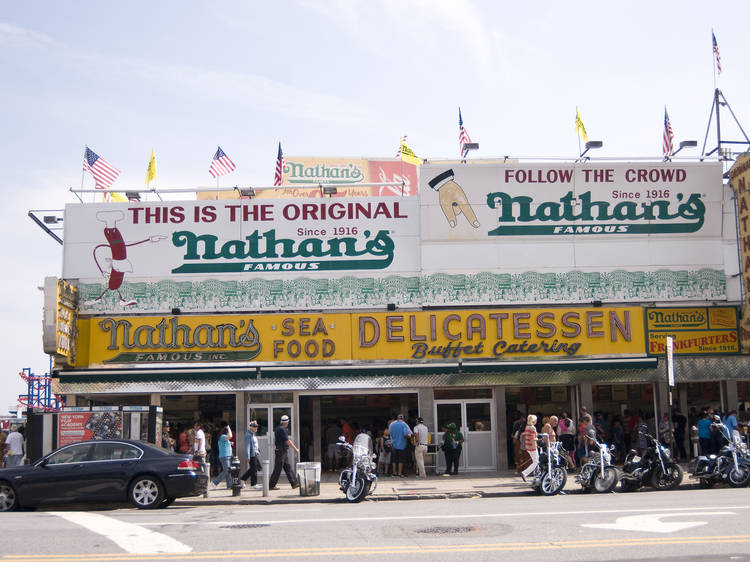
{"type": "Point", "coordinates": [12, 36]}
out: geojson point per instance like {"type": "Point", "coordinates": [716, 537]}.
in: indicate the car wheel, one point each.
{"type": "Point", "coordinates": [146, 492]}
{"type": "Point", "coordinates": [8, 500]}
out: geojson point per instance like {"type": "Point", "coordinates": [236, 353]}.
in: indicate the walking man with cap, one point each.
{"type": "Point", "coordinates": [420, 430]}
{"type": "Point", "coordinates": [281, 458]}
{"type": "Point", "coordinates": [253, 456]}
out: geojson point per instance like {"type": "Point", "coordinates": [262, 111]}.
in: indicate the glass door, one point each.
{"type": "Point", "coordinates": [268, 417]}
{"type": "Point", "coordinates": [475, 420]}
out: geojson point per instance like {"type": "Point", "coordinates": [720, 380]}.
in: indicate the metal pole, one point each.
{"type": "Point", "coordinates": [266, 476]}
{"type": "Point", "coordinates": [718, 123]}
{"type": "Point", "coordinates": [656, 411]}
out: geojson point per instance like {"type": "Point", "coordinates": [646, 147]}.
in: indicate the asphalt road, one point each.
{"type": "Point", "coordinates": [678, 525]}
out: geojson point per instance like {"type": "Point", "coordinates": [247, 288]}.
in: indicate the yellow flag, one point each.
{"type": "Point", "coordinates": [580, 129]}
{"type": "Point", "coordinates": [118, 197]}
{"type": "Point", "coordinates": [407, 154]}
{"type": "Point", "coordinates": [151, 170]}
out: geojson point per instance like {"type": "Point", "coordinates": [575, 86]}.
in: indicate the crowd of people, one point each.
{"type": "Point", "coordinates": [401, 446]}
{"type": "Point", "coordinates": [624, 432]}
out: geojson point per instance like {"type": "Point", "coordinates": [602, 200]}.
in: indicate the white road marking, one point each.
{"type": "Point", "coordinates": [652, 522]}
{"type": "Point", "coordinates": [134, 539]}
{"type": "Point", "coordinates": [676, 510]}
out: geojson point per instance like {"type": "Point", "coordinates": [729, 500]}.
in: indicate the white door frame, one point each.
{"type": "Point", "coordinates": [464, 460]}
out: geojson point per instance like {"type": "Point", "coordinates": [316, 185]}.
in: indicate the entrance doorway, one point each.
{"type": "Point", "coordinates": [268, 417]}
{"type": "Point", "coordinates": [350, 413]}
{"type": "Point", "coordinates": [474, 417]}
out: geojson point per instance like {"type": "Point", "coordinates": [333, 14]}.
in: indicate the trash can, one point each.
{"type": "Point", "coordinates": [308, 475]}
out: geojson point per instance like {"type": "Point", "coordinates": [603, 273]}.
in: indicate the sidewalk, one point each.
{"type": "Point", "coordinates": [469, 485]}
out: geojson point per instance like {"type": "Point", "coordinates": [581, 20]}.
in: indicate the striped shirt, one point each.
{"type": "Point", "coordinates": [528, 438]}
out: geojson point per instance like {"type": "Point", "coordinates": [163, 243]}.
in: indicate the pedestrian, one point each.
{"type": "Point", "coordinates": [520, 458]}
{"type": "Point", "coordinates": [453, 441]}
{"type": "Point", "coordinates": [167, 441]}
{"type": "Point", "coordinates": [731, 422]}
{"type": "Point", "coordinates": [281, 455]}
{"type": "Point", "coordinates": [420, 448]}
{"type": "Point", "coordinates": [183, 441]}
{"type": "Point", "coordinates": [199, 445]}
{"type": "Point", "coordinates": [679, 421]}
{"type": "Point", "coordinates": [385, 446]}
{"type": "Point", "coordinates": [528, 444]}
{"type": "Point", "coordinates": [253, 456]}
{"type": "Point", "coordinates": [704, 434]}
{"type": "Point", "coordinates": [225, 457]}
{"type": "Point", "coordinates": [399, 455]}
{"type": "Point", "coordinates": [548, 427]}
{"type": "Point", "coordinates": [641, 441]}
{"type": "Point", "coordinates": [666, 432]}
{"type": "Point", "coordinates": [14, 448]}
{"type": "Point", "coordinates": [566, 432]}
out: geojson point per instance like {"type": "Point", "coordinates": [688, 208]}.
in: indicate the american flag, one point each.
{"type": "Point", "coordinates": [221, 165]}
{"type": "Point", "coordinates": [279, 173]}
{"type": "Point", "coordinates": [668, 140]}
{"type": "Point", "coordinates": [463, 136]}
{"type": "Point", "coordinates": [104, 173]}
{"type": "Point", "coordinates": [716, 52]}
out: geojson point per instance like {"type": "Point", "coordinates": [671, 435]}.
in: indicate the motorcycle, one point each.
{"type": "Point", "coordinates": [550, 475]}
{"type": "Point", "coordinates": [598, 473]}
{"type": "Point", "coordinates": [731, 465]}
{"type": "Point", "coordinates": [360, 479]}
{"type": "Point", "coordinates": [655, 467]}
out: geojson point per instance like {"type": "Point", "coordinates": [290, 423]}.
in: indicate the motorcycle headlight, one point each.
{"type": "Point", "coordinates": [667, 453]}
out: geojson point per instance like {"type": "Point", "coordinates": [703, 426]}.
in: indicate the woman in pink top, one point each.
{"type": "Point", "coordinates": [528, 444]}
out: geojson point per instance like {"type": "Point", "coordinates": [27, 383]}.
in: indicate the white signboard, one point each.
{"type": "Point", "coordinates": [573, 232]}
{"type": "Point", "coordinates": [200, 255]}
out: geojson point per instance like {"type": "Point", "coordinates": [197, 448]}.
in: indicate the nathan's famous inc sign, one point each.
{"type": "Point", "coordinates": [178, 239]}
{"type": "Point", "coordinates": [695, 331]}
{"type": "Point", "coordinates": [423, 336]}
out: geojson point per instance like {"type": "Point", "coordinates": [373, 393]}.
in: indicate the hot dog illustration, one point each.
{"type": "Point", "coordinates": [116, 264]}
{"type": "Point", "coordinates": [453, 200]}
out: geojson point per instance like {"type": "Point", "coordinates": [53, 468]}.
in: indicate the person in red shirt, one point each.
{"type": "Point", "coordinates": [528, 444]}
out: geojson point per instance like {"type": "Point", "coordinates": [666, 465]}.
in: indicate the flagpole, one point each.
{"type": "Point", "coordinates": [713, 56]}
{"type": "Point", "coordinates": [83, 172]}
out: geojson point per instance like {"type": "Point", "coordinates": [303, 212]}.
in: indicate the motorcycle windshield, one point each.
{"type": "Point", "coordinates": [362, 445]}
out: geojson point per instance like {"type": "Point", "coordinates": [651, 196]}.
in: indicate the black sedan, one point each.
{"type": "Point", "coordinates": [103, 471]}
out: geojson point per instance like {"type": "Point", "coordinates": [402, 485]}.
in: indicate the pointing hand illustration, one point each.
{"type": "Point", "coordinates": [453, 200]}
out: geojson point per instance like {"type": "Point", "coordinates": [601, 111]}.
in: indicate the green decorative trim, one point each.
{"type": "Point", "coordinates": [438, 289]}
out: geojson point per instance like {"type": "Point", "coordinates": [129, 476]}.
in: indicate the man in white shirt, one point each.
{"type": "Point", "coordinates": [420, 430]}
{"type": "Point", "coordinates": [14, 448]}
{"type": "Point", "coordinates": [199, 446]}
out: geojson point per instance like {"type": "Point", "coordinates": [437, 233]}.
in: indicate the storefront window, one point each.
{"type": "Point", "coordinates": [462, 393]}
{"type": "Point", "coordinates": [448, 413]}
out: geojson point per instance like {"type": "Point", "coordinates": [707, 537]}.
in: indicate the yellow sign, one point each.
{"type": "Point", "coordinates": [696, 331]}
{"type": "Point", "coordinates": [424, 336]}
{"type": "Point", "coordinates": [500, 334]}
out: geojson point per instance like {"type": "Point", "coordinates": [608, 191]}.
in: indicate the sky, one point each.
{"type": "Point", "coordinates": [327, 78]}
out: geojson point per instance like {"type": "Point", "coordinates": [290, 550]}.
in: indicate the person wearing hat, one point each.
{"type": "Point", "coordinates": [453, 441]}
{"type": "Point", "coordinates": [167, 441]}
{"type": "Point", "coordinates": [281, 457]}
{"type": "Point", "coordinates": [253, 456]}
{"type": "Point", "coordinates": [420, 448]}
{"type": "Point", "coordinates": [399, 455]}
